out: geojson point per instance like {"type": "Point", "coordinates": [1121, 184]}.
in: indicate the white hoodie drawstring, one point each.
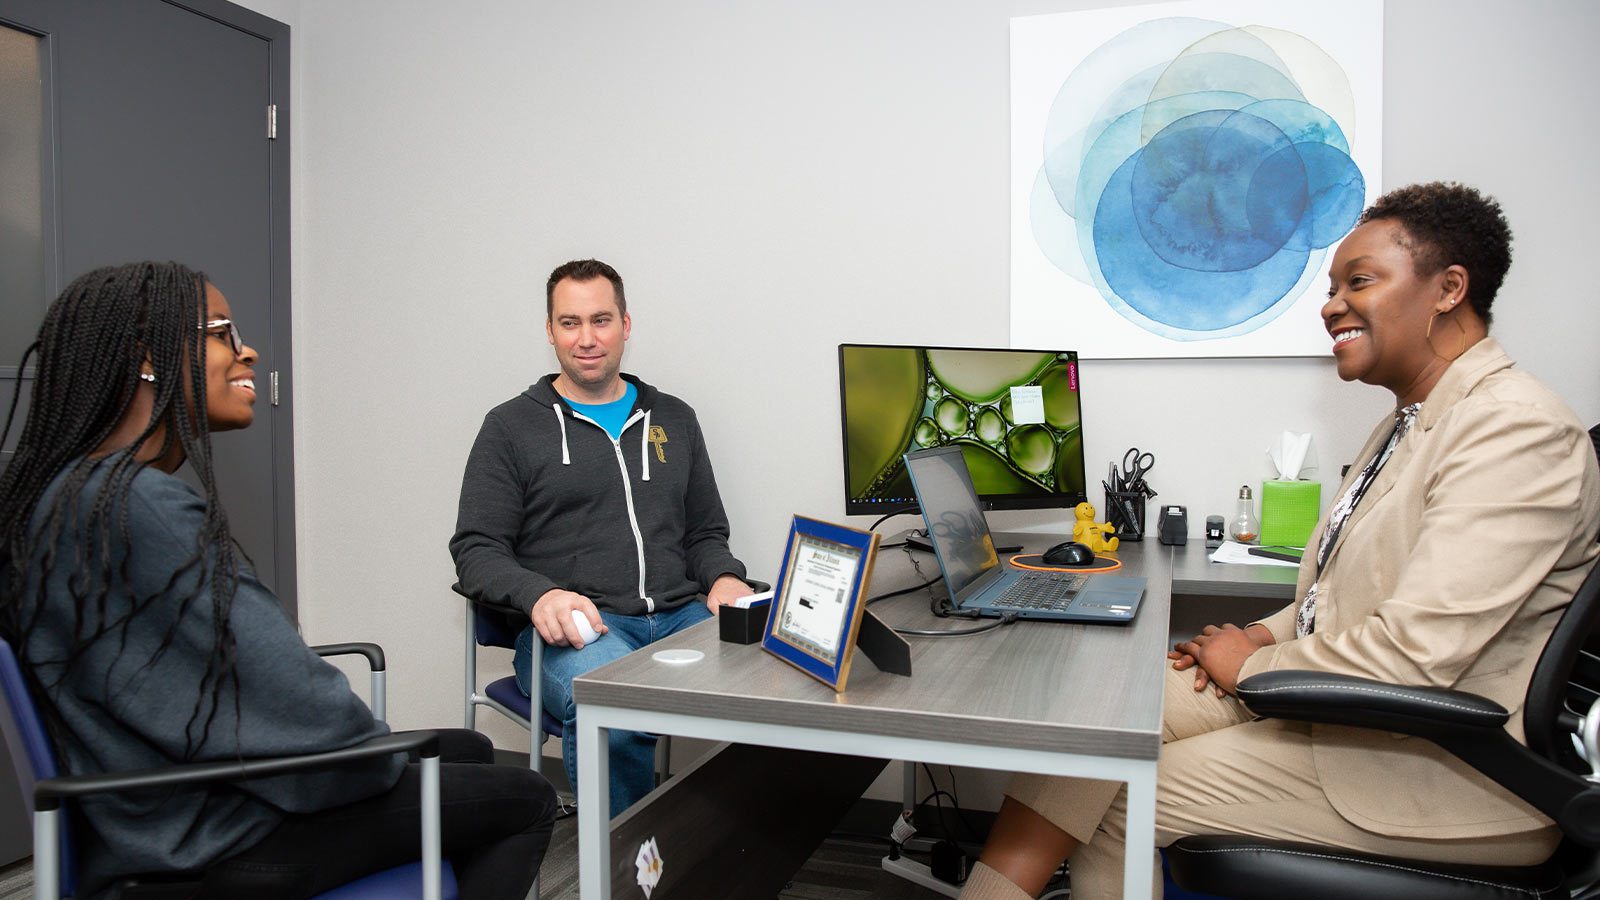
{"type": "Point", "coordinates": [644, 447]}
{"type": "Point", "coordinates": [566, 458]}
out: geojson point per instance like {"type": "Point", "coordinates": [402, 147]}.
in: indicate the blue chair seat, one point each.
{"type": "Point", "coordinates": [505, 692]}
{"type": "Point", "coordinates": [399, 883]}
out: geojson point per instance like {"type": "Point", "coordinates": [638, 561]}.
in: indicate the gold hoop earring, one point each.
{"type": "Point", "coordinates": [1428, 336]}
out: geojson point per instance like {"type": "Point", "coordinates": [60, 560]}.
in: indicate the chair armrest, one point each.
{"type": "Point", "coordinates": [46, 793]}
{"type": "Point", "coordinates": [372, 652]}
{"type": "Point", "coordinates": [1469, 726]}
{"type": "Point", "coordinates": [1348, 700]}
{"type": "Point", "coordinates": [498, 608]}
{"type": "Point", "coordinates": [490, 605]}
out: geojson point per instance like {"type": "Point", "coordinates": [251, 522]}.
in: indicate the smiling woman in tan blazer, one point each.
{"type": "Point", "coordinates": [1454, 545]}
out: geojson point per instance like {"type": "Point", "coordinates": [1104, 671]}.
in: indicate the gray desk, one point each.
{"type": "Point", "coordinates": [992, 701]}
{"type": "Point", "coordinates": [1207, 593]}
{"type": "Point", "coordinates": [1194, 575]}
{"type": "Point", "coordinates": [1000, 700]}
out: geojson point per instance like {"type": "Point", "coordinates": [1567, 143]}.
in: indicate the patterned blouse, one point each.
{"type": "Point", "coordinates": [1305, 619]}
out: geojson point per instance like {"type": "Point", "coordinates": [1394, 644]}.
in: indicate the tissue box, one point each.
{"type": "Point", "coordinates": [1289, 512]}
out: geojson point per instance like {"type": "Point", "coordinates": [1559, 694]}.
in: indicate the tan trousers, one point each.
{"type": "Point", "coordinates": [1220, 773]}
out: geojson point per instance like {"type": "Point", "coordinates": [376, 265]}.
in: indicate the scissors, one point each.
{"type": "Point", "coordinates": [1134, 467]}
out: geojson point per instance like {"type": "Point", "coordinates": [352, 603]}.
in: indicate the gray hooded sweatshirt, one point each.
{"type": "Point", "coordinates": [549, 501]}
{"type": "Point", "coordinates": [126, 703]}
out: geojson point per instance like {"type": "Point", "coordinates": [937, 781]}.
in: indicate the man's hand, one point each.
{"type": "Point", "coordinates": [552, 617]}
{"type": "Point", "coordinates": [1190, 652]}
{"type": "Point", "coordinates": [724, 591]}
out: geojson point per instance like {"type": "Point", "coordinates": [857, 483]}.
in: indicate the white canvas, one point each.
{"type": "Point", "coordinates": [1181, 173]}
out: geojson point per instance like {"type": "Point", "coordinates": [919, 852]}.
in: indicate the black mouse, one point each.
{"type": "Point", "coordinates": [1069, 553]}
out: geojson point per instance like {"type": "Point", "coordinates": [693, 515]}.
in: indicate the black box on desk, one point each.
{"type": "Point", "coordinates": [1174, 525]}
{"type": "Point", "coordinates": [744, 626]}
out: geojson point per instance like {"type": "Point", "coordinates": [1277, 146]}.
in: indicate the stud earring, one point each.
{"type": "Point", "coordinates": [148, 376]}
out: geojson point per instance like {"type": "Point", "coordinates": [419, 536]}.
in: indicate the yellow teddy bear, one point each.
{"type": "Point", "coordinates": [1097, 536]}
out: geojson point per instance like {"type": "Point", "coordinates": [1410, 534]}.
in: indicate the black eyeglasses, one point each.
{"type": "Point", "coordinates": [224, 328]}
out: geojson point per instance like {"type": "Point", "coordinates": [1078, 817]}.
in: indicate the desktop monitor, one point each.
{"type": "Point", "coordinates": [1014, 413]}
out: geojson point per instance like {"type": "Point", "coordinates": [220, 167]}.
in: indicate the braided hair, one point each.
{"type": "Point", "coordinates": [94, 339]}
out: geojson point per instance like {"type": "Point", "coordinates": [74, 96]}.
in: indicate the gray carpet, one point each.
{"type": "Point", "coordinates": [841, 869]}
{"type": "Point", "coordinates": [16, 881]}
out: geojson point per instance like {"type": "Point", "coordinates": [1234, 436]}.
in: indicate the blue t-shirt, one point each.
{"type": "Point", "coordinates": [611, 416]}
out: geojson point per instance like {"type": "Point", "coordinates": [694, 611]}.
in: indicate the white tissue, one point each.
{"type": "Point", "coordinates": [1292, 456]}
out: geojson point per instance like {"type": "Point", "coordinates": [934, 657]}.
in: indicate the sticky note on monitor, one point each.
{"type": "Point", "coordinates": [1027, 405]}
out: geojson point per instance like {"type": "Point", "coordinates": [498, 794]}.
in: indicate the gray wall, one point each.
{"type": "Point", "coordinates": [774, 178]}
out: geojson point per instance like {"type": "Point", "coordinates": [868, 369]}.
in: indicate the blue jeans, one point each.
{"type": "Point", "coordinates": [632, 752]}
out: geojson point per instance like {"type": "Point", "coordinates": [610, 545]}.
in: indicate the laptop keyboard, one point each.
{"type": "Point", "coordinates": [1041, 590]}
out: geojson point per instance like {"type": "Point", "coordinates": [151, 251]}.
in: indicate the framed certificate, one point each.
{"type": "Point", "coordinates": [819, 598]}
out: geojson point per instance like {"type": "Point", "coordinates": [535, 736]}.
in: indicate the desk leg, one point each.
{"type": "Point", "coordinates": [1139, 843]}
{"type": "Point", "coordinates": [594, 807]}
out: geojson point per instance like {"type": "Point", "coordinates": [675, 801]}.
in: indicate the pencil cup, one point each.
{"type": "Point", "coordinates": [1125, 510]}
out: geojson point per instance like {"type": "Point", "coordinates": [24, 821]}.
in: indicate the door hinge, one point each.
{"type": "Point", "coordinates": [272, 121]}
{"type": "Point", "coordinates": [273, 390]}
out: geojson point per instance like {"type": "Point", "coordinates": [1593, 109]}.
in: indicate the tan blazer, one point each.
{"type": "Point", "coordinates": [1451, 572]}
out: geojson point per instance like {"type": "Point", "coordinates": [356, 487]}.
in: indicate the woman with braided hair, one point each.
{"type": "Point", "coordinates": [147, 639]}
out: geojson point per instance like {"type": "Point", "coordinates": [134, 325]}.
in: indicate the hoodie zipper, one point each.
{"type": "Point", "coordinates": [627, 496]}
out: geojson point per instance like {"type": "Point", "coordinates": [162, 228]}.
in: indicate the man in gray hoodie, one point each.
{"type": "Point", "coordinates": [592, 491]}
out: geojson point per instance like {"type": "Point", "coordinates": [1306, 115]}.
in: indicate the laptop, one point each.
{"type": "Point", "coordinates": [977, 578]}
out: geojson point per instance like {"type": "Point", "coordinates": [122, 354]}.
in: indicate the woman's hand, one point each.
{"type": "Point", "coordinates": [1182, 661]}
{"type": "Point", "coordinates": [1188, 653]}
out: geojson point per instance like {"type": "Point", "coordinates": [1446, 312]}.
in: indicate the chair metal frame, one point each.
{"type": "Point", "coordinates": [534, 722]}
{"type": "Point", "coordinates": [476, 698]}
{"type": "Point", "coordinates": [22, 717]}
{"type": "Point", "coordinates": [549, 726]}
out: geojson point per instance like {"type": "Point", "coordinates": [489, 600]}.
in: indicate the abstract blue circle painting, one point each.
{"type": "Point", "coordinates": [1182, 172]}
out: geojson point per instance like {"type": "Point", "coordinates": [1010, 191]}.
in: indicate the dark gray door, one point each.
{"type": "Point", "coordinates": [160, 150]}
{"type": "Point", "coordinates": [151, 135]}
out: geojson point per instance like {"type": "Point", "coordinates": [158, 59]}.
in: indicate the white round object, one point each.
{"type": "Point", "coordinates": [585, 630]}
{"type": "Point", "coordinates": [678, 657]}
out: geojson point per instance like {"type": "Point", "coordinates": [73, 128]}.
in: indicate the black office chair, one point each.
{"type": "Point", "coordinates": [1561, 719]}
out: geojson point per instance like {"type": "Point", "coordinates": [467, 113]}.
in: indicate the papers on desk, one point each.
{"type": "Point", "coordinates": [1239, 554]}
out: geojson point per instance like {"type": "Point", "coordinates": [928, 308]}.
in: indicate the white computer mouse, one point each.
{"type": "Point", "coordinates": [585, 630]}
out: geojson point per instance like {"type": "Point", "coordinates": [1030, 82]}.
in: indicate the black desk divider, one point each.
{"type": "Point", "coordinates": [888, 651]}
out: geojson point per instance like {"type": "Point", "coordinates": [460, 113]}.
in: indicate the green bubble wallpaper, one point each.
{"type": "Point", "coordinates": [899, 399]}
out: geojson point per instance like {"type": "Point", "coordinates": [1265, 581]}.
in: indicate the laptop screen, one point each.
{"type": "Point", "coordinates": [955, 521]}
